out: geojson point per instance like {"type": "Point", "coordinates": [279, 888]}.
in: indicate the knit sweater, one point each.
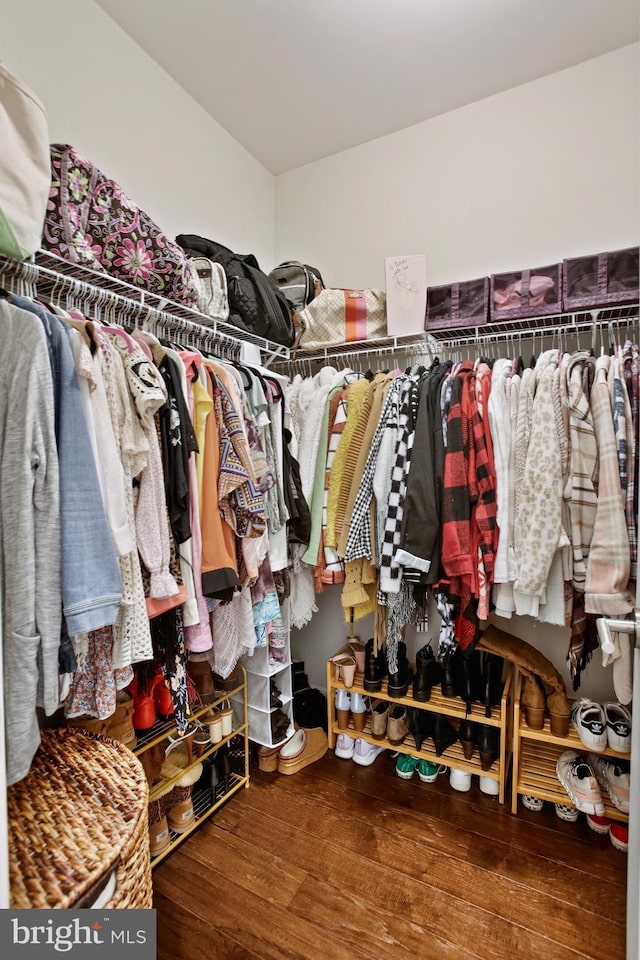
{"type": "Point", "coordinates": [607, 579]}
{"type": "Point", "coordinates": [355, 398]}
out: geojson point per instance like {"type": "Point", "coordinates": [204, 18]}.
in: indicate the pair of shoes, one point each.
{"type": "Point", "coordinates": [461, 780]}
{"type": "Point", "coordinates": [359, 750]}
{"type": "Point", "coordinates": [357, 649]}
{"type": "Point", "coordinates": [614, 777]}
{"type": "Point", "coordinates": [398, 681]}
{"type": "Point", "coordinates": [390, 721]}
{"type": "Point", "coordinates": [602, 725]}
{"type": "Point", "coordinates": [428, 674]}
{"type": "Point", "coordinates": [532, 803]}
{"type": "Point", "coordinates": [406, 765]}
{"type": "Point", "coordinates": [579, 780]}
{"type": "Point", "coordinates": [306, 746]}
{"type": "Point", "coordinates": [618, 832]}
{"type": "Point", "coordinates": [536, 701]}
{"type": "Point", "coordinates": [344, 665]}
{"type": "Point", "coordinates": [351, 704]}
{"type": "Point", "coordinates": [435, 725]}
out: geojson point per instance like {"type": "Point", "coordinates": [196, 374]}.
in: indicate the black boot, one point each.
{"type": "Point", "coordinates": [488, 745]}
{"type": "Point", "coordinates": [422, 726]}
{"type": "Point", "coordinates": [428, 673]}
{"type": "Point", "coordinates": [470, 679]}
{"type": "Point", "coordinates": [398, 682]}
{"type": "Point", "coordinates": [274, 694]}
{"type": "Point", "coordinates": [467, 737]}
{"type": "Point", "coordinates": [373, 668]}
{"type": "Point", "coordinates": [444, 734]}
{"type": "Point", "coordinates": [491, 681]}
{"type": "Point", "coordinates": [448, 679]}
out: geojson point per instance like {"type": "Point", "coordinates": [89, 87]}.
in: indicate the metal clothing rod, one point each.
{"type": "Point", "coordinates": [104, 292]}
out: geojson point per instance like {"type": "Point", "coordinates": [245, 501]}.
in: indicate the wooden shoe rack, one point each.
{"type": "Point", "coordinates": [451, 707]}
{"type": "Point", "coordinates": [535, 754]}
{"type": "Point", "coordinates": [205, 801]}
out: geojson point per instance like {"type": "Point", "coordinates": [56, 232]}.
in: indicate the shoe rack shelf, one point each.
{"type": "Point", "coordinates": [451, 707]}
{"type": "Point", "coordinates": [535, 754]}
{"type": "Point", "coordinates": [205, 804]}
{"type": "Point", "coordinates": [205, 801]}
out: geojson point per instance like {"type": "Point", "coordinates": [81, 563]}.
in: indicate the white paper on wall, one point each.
{"type": "Point", "coordinates": [406, 287]}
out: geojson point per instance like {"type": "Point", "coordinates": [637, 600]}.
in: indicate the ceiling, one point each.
{"type": "Point", "coordinates": [297, 80]}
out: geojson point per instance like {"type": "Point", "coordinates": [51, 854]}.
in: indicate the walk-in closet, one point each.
{"type": "Point", "coordinates": [319, 479]}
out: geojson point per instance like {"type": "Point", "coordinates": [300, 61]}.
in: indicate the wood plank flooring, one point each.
{"type": "Point", "coordinates": [342, 862]}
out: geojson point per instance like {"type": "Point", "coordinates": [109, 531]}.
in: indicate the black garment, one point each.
{"type": "Point", "coordinates": [178, 443]}
{"type": "Point", "coordinates": [299, 524]}
{"type": "Point", "coordinates": [422, 523]}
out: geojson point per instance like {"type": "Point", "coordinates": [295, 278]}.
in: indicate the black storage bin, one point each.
{"type": "Point", "coordinates": [455, 305]}
{"type": "Point", "coordinates": [602, 279]}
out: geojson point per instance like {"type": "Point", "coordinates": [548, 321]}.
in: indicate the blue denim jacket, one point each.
{"type": "Point", "coordinates": [91, 580]}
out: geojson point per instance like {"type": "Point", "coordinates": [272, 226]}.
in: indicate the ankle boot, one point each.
{"type": "Point", "coordinates": [492, 666]}
{"type": "Point", "coordinates": [467, 736]}
{"type": "Point", "coordinates": [422, 726]}
{"type": "Point", "coordinates": [559, 709]}
{"type": "Point", "coordinates": [428, 673]}
{"type": "Point", "coordinates": [372, 668]}
{"type": "Point", "coordinates": [120, 723]}
{"type": "Point", "coordinates": [444, 734]}
{"type": "Point", "coordinates": [398, 682]}
{"type": "Point", "coordinates": [448, 679]}
{"type": "Point", "coordinates": [488, 745]}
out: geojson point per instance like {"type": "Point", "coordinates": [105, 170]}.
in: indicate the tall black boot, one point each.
{"type": "Point", "coordinates": [448, 679]}
{"type": "Point", "coordinates": [492, 685]}
{"type": "Point", "coordinates": [444, 734]}
{"type": "Point", "coordinates": [422, 725]}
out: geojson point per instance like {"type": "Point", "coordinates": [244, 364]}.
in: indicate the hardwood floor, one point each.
{"type": "Point", "coordinates": [342, 862]}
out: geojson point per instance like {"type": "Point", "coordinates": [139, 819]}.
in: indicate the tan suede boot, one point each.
{"type": "Point", "coordinates": [532, 702]}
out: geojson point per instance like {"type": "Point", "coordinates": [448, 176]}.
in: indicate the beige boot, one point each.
{"type": "Point", "coordinates": [532, 702]}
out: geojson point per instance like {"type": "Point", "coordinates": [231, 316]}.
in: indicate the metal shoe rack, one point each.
{"type": "Point", "coordinates": [453, 708]}
{"type": "Point", "coordinates": [535, 754]}
{"type": "Point", "coordinates": [205, 800]}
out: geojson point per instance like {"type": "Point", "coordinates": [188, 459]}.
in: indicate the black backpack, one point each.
{"type": "Point", "coordinates": [262, 309]}
{"type": "Point", "coordinates": [299, 282]}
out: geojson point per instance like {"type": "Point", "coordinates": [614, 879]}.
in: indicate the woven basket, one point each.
{"type": "Point", "coordinates": [80, 812]}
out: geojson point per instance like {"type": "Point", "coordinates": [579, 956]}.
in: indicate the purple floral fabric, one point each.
{"type": "Point", "coordinates": [91, 221]}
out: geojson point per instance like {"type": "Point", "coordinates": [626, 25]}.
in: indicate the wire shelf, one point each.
{"type": "Point", "coordinates": [52, 274]}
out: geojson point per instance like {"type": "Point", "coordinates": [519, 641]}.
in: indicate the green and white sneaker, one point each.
{"type": "Point", "coordinates": [406, 765]}
{"type": "Point", "coordinates": [428, 771]}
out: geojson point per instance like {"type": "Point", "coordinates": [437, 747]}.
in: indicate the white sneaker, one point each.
{"type": "Point", "coordinates": [490, 786]}
{"type": "Point", "coordinates": [613, 778]}
{"type": "Point", "coordinates": [532, 803]}
{"type": "Point", "coordinates": [460, 780]}
{"type": "Point", "coordinates": [579, 780]}
{"type": "Point", "coordinates": [588, 718]}
{"type": "Point", "coordinates": [345, 746]}
{"type": "Point", "coordinates": [365, 753]}
{"type": "Point", "coordinates": [618, 720]}
{"type": "Point", "coordinates": [566, 812]}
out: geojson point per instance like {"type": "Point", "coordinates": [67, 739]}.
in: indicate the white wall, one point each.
{"type": "Point", "coordinates": [108, 98]}
{"type": "Point", "coordinates": [523, 178]}
{"type": "Point", "coordinates": [527, 177]}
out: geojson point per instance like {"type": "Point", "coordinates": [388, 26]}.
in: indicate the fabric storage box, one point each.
{"type": "Point", "coordinates": [602, 279]}
{"type": "Point", "coordinates": [454, 305]}
{"type": "Point", "coordinates": [526, 293]}
{"type": "Point", "coordinates": [260, 730]}
{"type": "Point", "coordinates": [78, 826]}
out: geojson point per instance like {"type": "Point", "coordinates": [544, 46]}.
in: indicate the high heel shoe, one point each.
{"type": "Point", "coordinates": [345, 665]}
{"type": "Point", "coordinates": [467, 737]}
{"type": "Point", "coordinates": [422, 726]}
{"type": "Point", "coordinates": [444, 734]}
{"type": "Point", "coordinates": [488, 745]}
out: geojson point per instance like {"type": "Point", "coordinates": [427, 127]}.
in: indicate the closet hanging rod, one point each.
{"type": "Point", "coordinates": [48, 271]}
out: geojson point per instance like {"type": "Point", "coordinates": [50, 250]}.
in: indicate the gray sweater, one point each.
{"type": "Point", "coordinates": [29, 534]}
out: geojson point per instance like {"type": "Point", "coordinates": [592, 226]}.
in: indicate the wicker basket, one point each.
{"type": "Point", "coordinates": [79, 814]}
